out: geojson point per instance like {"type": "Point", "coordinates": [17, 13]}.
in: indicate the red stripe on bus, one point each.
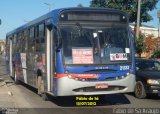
{"type": "Point", "coordinates": [61, 75]}
{"type": "Point", "coordinates": [84, 75]}
{"type": "Point", "coordinates": [77, 75]}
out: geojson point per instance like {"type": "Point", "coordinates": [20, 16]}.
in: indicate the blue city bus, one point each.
{"type": "Point", "coordinates": [75, 51]}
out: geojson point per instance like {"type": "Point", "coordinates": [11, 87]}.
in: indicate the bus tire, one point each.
{"type": "Point", "coordinates": [44, 96]}
{"type": "Point", "coordinates": [140, 90]}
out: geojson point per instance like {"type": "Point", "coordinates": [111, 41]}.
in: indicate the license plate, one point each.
{"type": "Point", "coordinates": [100, 86]}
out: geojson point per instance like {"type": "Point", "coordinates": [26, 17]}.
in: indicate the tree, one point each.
{"type": "Point", "coordinates": [79, 5]}
{"type": "Point", "coordinates": [129, 6]}
{"type": "Point", "coordinates": [150, 43]}
{"type": "Point", "coordinates": [139, 44]}
{"type": "Point", "coordinates": [156, 54]}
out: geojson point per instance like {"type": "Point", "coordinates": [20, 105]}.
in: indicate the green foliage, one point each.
{"type": "Point", "coordinates": [139, 44]}
{"type": "Point", "coordinates": [79, 5]}
{"type": "Point", "coordinates": [156, 54]}
{"type": "Point", "coordinates": [129, 6]}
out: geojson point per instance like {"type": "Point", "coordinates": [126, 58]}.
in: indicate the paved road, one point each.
{"type": "Point", "coordinates": [26, 100]}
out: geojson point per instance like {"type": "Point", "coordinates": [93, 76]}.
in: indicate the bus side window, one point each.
{"type": "Point", "coordinates": [40, 39]}
{"type": "Point", "coordinates": [14, 41]}
{"type": "Point", "coordinates": [18, 44]}
{"type": "Point", "coordinates": [31, 40]}
{"type": "Point", "coordinates": [23, 43]}
{"type": "Point", "coordinates": [26, 39]}
{"type": "Point", "coordinates": [31, 47]}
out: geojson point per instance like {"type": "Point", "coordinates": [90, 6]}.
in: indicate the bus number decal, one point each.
{"type": "Point", "coordinates": [118, 56]}
{"type": "Point", "coordinates": [124, 67]}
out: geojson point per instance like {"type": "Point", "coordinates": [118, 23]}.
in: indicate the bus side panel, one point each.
{"type": "Point", "coordinates": [7, 54]}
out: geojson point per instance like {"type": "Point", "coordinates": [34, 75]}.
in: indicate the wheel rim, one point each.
{"type": "Point", "coordinates": [138, 90]}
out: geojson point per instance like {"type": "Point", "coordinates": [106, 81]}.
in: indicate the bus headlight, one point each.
{"type": "Point", "coordinates": [122, 77]}
{"type": "Point", "coordinates": [117, 78]}
{"type": "Point", "coordinates": [69, 76]}
{"type": "Point", "coordinates": [152, 82]}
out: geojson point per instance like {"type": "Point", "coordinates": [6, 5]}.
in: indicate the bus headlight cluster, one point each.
{"type": "Point", "coordinates": [77, 79]}
{"type": "Point", "coordinates": [69, 76]}
{"type": "Point", "coordinates": [80, 79]}
{"type": "Point", "coordinates": [122, 77]}
{"type": "Point", "coordinates": [117, 78]}
{"type": "Point", "coordinates": [127, 74]}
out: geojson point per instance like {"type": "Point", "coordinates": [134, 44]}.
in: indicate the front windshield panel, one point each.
{"type": "Point", "coordinates": [95, 44]}
{"type": "Point", "coordinates": [148, 65]}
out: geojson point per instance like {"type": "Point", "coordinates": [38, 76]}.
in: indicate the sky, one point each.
{"type": "Point", "coordinates": [15, 13]}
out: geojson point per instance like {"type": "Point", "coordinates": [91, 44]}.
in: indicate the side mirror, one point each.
{"type": "Point", "coordinates": [57, 38]}
{"type": "Point", "coordinates": [58, 43]}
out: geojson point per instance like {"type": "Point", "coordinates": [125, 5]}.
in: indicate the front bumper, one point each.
{"type": "Point", "coordinates": [69, 87]}
{"type": "Point", "coordinates": [155, 89]}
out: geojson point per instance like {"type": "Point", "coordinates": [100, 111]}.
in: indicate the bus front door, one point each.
{"type": "Point", "coordinates": [11, 57]}
{"type": "Point", "coordinates": [49, 56]}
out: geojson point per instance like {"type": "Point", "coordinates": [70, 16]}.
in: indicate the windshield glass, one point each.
{"type": "Point", "coordinates": [148, 65]}
{"type": "Point", "coordinates": [95, 44]}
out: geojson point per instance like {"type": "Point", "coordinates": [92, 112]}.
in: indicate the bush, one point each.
{"type": "Point", "coordinates": [139, 44]}
{"type": "Point", "coordinates": [156, 54]}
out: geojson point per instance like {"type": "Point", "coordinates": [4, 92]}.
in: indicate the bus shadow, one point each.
{"type": "Point", "coordinates": [153, 97]}
{"type": "Point", "coordinates": [103, 100]}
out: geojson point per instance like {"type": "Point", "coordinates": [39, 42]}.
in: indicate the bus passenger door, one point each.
{"type": "Point", "coordinates": [49, 56]}
{"type": "Point", "coordinates": [10, 57]}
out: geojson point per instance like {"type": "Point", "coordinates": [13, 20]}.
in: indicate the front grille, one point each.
{"type": "Point", "coordinates": [93, 89]}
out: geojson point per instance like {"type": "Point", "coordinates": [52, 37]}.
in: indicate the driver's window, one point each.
{"type": "Point", "coordinates": [157, 65]}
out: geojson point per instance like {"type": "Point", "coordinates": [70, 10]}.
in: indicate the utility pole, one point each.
{"type": "Point", "coordinates": [49, 5]}
{"type": "Point", "coordinates": [158, 15]}
{"type": "Point", "coordinates": [138, 18]}
{"type": "Point", "coordinates": [0, 21]}
{"type": "Point", "coordinates": [159, 28]}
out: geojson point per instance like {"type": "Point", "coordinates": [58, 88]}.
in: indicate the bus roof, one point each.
{"type": "Point", "coordinates": [55, 15]}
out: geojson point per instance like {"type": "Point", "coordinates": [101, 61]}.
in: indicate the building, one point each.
{"type": "Point", "coordinates": [2, 46]}
{"type": "Point", "coordinates": [147, 30]}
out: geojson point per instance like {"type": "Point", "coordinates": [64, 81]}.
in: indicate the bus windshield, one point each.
{"type": "Point", "coordinates": [95, 44]}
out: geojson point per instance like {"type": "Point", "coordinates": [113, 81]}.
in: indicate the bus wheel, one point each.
{"type": "Point", "coordinates": [44, 96]}
{"type": "Point", "coordinates": [140, 90]}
